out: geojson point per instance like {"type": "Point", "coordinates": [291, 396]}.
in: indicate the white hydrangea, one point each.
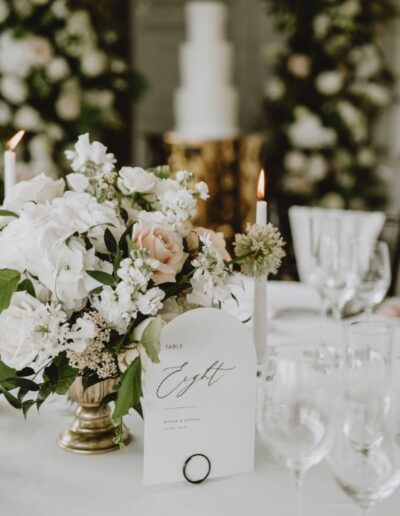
{"type": "Point", "coordinates": [31, 332]}
{"type": "Point", "coordinates": [307, 131]}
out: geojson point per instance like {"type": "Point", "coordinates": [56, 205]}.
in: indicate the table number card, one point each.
{"type": "Point", "coordinates": [200, 399]}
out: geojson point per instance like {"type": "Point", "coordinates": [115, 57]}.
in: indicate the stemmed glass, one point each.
{"type": "Point", "coordinates": [295, 416]}
{"type": "Point", "coordinates": [337, 261]}
{"type": "Point", "coordinates": [365, 456]}
{"type": "Point", "coordinates": [373, 274]}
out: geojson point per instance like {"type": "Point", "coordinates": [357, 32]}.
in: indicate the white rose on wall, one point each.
{"type": "Point", "coordinates": [5, 113]}
{"type": "Point", "coordinates": [39, 190]}
{"type": "Point", "coordinates": [93, 63]}
{"type": "Point", "coordinates": [13, 89]}
{"type": "Point", "coordinates": [317, 167]}
{"type": "Point", "coordinates": [41, 49]}
{"type": "Point", "coordinates": [353, 119]}
{"type": "Point", "coordinates": [57, 69]}
{"type": "Point", "coordinates": [274, 88]}
{"type": "Point", "coordinates": [28, 118]}
{"type": "Point", "coordinates": [366, 60]}
{"type": "Point", "coordinates": [136, 179]}
{"type": "Point", "coordinates": [299, 65]}
{"type": "Point", "coordinates": [307, 131]}
{"type": "Point", "coordinates": [329, 83]}
{"type": "Point", "coordinates": [294, 161]}
{"type": "Point", "coordinates": [332, 200]}
{"type": "Point", "coordinates": [68, 106]}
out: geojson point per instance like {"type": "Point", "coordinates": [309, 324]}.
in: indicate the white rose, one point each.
{"type": "Point", "coordinates": [68, 106]}
{"type": "Point", "coordinates": [17, 348]}
{"type": "Point", "coordinates": [13, 89]}
{"type": "Point", "coordinates": [329, 83]}
{"type": "Point", "coordinates": [41, 49]}
{"type": "Point", "coordinates": [57, 69]}
{"type": "Point", "coordinates": [93, 63]}
{"type": "Point", "coordinates": [136, 179]}
{"type": "Point", "coordinates": [39, 190]}
{"type": "Point", "coordinates": [28, 118]}
{"type": "Point", "coordinates": [77, 182]}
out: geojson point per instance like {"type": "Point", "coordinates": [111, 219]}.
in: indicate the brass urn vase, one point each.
{"type": "Point", "coordinates": [93, 430]}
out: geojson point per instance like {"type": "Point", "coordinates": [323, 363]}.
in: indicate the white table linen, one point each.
{"type": "Point", "coordinates": [39, 479]}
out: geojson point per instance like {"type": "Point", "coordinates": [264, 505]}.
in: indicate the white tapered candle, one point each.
{"type": "Point", "coordinates": [260, 284]}
{"type": "Point", "coordinates": [10, 175]}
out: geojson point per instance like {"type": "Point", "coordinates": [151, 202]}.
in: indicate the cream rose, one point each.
{"type": "Point", "coordinates": [164, 246]}
{"type": "Point", "coordinates": [217, 241]}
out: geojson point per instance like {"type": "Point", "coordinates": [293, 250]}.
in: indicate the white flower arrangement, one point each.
{"type": "Point", "coordinates": [57, 69]}
{"type": "Point", "coordinates": [92, 267]}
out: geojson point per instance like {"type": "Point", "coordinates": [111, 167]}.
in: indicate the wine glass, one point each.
{"type": "Point", "coordinates": [295, 417]}
{"type": "Point", "coordinates": [373, 274]}
{"type": "Point", "coordinates": [365, 456]}
{"type": "Point", "coordinates": [336, 258]}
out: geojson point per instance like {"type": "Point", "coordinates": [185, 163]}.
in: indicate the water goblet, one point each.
{"type": "Point", "coordinates": [294, 416]}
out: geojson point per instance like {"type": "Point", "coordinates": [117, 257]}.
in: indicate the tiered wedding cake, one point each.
{"type": "Point", "coordinates": [206, 104]}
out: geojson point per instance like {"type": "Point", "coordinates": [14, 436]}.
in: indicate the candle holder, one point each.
{"type": "Point", "coordinates": [230, 167]}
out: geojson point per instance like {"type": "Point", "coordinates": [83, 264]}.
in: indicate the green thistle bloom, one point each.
{"type": "Point", "coordinates": [259, 251]}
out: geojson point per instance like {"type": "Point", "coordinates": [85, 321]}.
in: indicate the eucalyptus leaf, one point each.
{"type": "Point", "coordinates": [151, 339]}
{"type": "Point", "coordinates": [129, 390]}
{"type": "Point", "coordinates": [24, 383]}
{"type": "Point", "coordinates": [9, 280]}
{"type": "Point", "coordinates": [103, 277]}
{"type": "Point", "coordinates": [12, 400]}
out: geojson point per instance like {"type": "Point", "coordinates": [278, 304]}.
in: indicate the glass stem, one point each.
{"type": "Point", "coordinates": [322, 319]}
{"type": "Point", "coordinates": [298, 500]}
{"type": "Point", "coordinates": [368, 312]}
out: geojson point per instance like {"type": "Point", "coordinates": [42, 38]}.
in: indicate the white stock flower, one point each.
{"type": "Point", "coordinates": [307, 131]}
{"type": "Point", "coordinates": [329, 83]}
{"type": "Point", "coordinates": [136, 179]}
{"type": "Point", "coordinates": [30, 332]}
{"type": "Point", "coordinates": [202, 189]}
{"type": "Point", "coordinates": [57, 69]}
{"type": "Point", "coordinates": [85, 153]}
{"type": "Point", "coordinates": [28, 118]}
{"type": "Point", "coordinates": [39, 190]}
{"type": "Point", "coordinates": [151, 302]}
{"type": "Point", "coordinates": [177, 206]}
{"type": "Point", "coordinates": [116, 307]}
{"type": "Point", "coordinates": [13, 89]}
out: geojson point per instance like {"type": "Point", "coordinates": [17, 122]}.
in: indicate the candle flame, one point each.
{"type": "Point", "coordinates": [261, 186]}
{"type": "Point", "coordinates": [14, 141]}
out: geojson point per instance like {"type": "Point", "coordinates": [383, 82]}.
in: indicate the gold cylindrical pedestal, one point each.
{"type": "Point", "coordinates": [92, 431]}
{"type": "Point", "coordinates": [230, 167]}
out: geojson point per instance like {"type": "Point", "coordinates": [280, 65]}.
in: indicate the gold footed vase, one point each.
{"type": "Point", "coordinates": [93, 430]}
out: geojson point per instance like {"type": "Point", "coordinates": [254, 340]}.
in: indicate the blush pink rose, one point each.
{"type": "Point", "coordinates": [164, 246]}
{"type": "Point", "coordinates": [217, 240]}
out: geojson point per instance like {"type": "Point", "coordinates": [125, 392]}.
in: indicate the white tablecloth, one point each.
{"type": "Point", "coordinates": [39, 479]}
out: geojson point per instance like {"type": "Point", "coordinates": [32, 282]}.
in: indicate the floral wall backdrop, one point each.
{"type": "Point", "coordinates": [64, 70]}
{"type": "Point", "coordinates": [329, 82]}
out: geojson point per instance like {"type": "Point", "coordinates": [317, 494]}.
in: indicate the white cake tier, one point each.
{"type": "Point", "coordinates": [207, 114]}
{"type": "Point", "coordinates": [205, 20]}
{"type": "Point", "coordinates": [201, 64]}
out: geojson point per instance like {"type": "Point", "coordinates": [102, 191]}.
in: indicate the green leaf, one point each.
{"type": "Point", "coordinates": [26, 405]}
{"type": "Point", "coordinates": [112, 396]}
{"type": "Point", "coordinates": [9, 280]}
{"type": "Point", "coordinates": [8, 213]}
{"type": "Point", "coordinates": [103, 277]}
{"type": "Point", "coordinates": [90, 380]}
{"type": "Point", "coordinates": [151, 339]}
{"type": "Point", "coordinates": [60, 374]}
{"type": "Point", "coordinates": [12, 400]}
{"type": "Point", "coordinates": [129, 390]}
{"type": "Point", "coordinates": [27, 286]}
{"type": "Point", "coordinates": [117, 260]}
{"type": "Point", "coordinates": [110, 241]}
{"type": "Point", "coordinates": [5, 373]}
{"type": "Point", "coordinates": [24, 383]}
{"type": "Point", "coordinates": [45, 390]}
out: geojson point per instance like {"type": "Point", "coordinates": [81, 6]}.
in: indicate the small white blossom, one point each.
{"type": "Point", "coordinates": [202, 189]}
{"type": "Point", "coordinates": [151, 302]}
